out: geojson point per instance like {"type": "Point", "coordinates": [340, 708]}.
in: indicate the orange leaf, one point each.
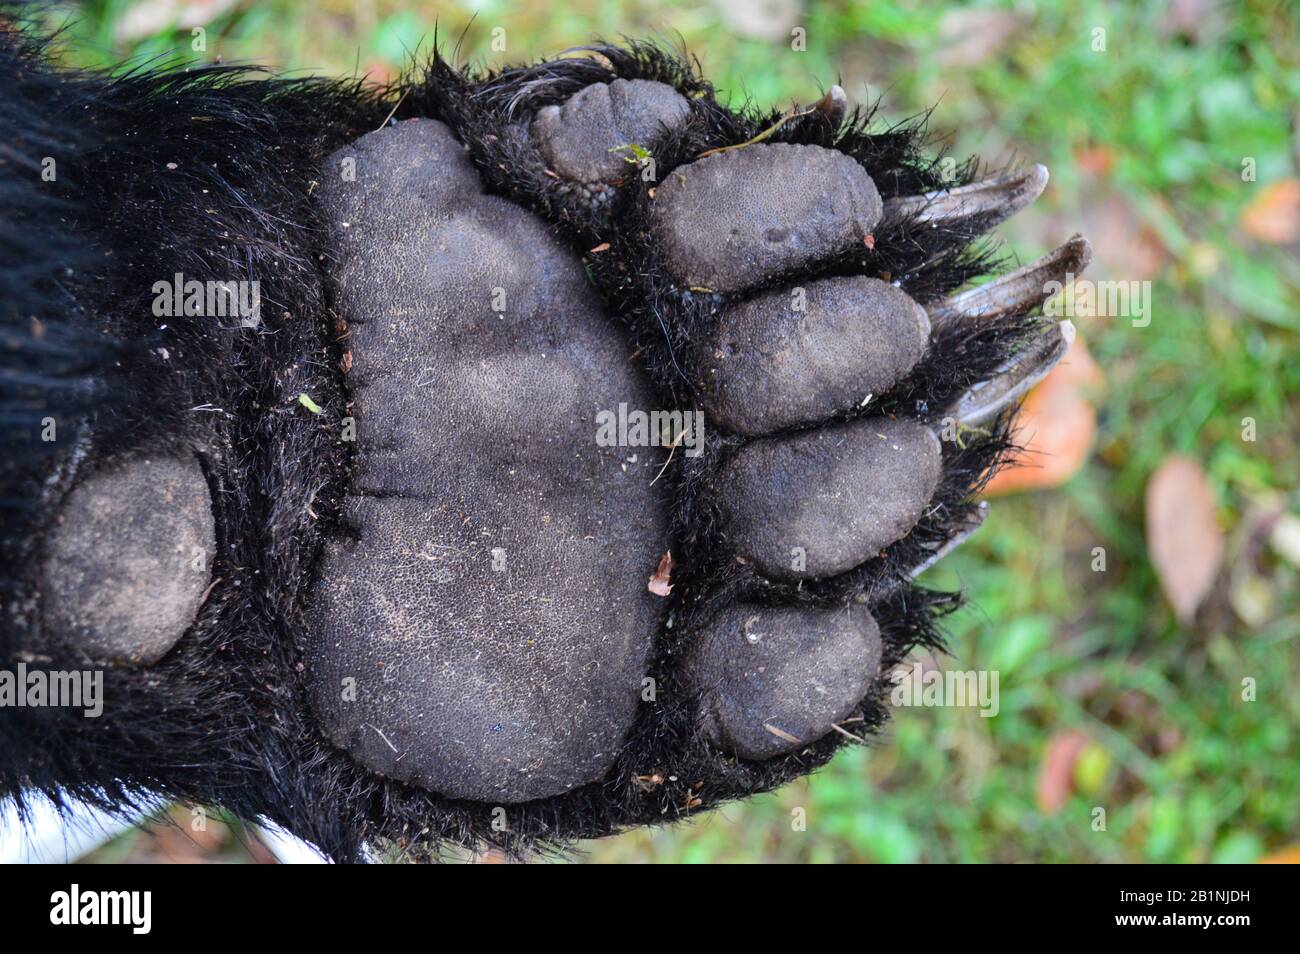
{"type": "Point", "coordinates": [1126, 247]}
{"type": "Point", "coordinates": [1056, 426]}
{"type": "Point", "coordinates": [1183, 535]}
{"type": "Point", "coordinates": [1274, 215]}
{"type": "Point", "coordinates": [1287, 856]}
{"type": "Point", "coordinates": [1095, 160]}
{"type": "Point", "coordinates": [1056, 774]}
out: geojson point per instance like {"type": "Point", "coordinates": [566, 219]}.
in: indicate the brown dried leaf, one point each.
{"type": "Point", "coordinates": [1095, 160]}
{"type": "Point", "coordinates": [659, 584]}
{"type": "Point", "coordinates": [1183, 535]}
{"type": "Point", "coordinates": [1056, 774]}
{"type": "Point", "coordinates": [1126, 247]}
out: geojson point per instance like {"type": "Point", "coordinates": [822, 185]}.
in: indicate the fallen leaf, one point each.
{"type": "Point", "coordinates": [1256, 582]}
{"type": "Point", "coordinates": [1091, 768]}
{"type": "Point", "coordinates": [1273, 216]}
{"type": "Point", "coordinates": [1126, 248]}
{"type": "Point", "coordinates": [659, 584]}
{"type": "Point", "coordinates": [381, 72]}
{"type": "Point", "coordinates": [1056, 774]}
{"type": "Point", "coordinates": [1183, 535]}
{"type": "Point", "coordinates": [1055, 428]}
{"type": "Point", "coordinates": [1287, 856]}
{"type": "Point", "coordinates": [1095, 160]}
{"type": "Point", "coordinates": [1252, 595]}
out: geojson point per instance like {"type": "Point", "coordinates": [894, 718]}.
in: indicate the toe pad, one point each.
{"type": "Point", "coordinates": [799, 356]}
{"type": "Point", "coordinates": [736, 218]}
{"type": "Point", "coordinates": [770, 681]}
{"type": "Point", "coordinates": [584, 139]}
{"type": "Point", "coordinates": [818, 503]}
{"type": "Point", "coordinates": [129, 558]}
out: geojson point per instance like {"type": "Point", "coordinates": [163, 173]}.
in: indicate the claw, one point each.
{"type": "Point", "coordinates": [833, 106]}
{"type": "Point", "coordinates": [973, 523]}
{"type": "Point", "coordinates": [1001, 196]}
{"type": "Point", "coordinates": [1025, 369]}
{"type": "Point", "coordinates": [1018, 292]}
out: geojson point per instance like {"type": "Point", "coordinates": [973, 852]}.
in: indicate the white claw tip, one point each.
{"type": "Point", "coordinates": [1068, 332]}
{"type": "Point", "coordinates": [833, 105]}
{"type": "Point", "coordinates": [1035, 182]}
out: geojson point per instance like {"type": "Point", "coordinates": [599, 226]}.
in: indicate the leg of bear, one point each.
{"type": "Point", "coordinates": [476, 628]}
{"type": "Point", "coordinates": [832, 497]}
{"type": "Point", "coordinates": [486, 632]}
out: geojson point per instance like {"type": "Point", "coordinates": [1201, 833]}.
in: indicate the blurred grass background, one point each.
{"type": "Point", "coordinates": [1106, 700]}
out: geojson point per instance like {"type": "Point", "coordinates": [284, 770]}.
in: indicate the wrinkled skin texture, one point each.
{"type": "Point", "coordinates": [769, 679]}
{"type": "Point", "coordinates": [481, 359]}
{"type": "Point", "coordinates": [493, 610]}
{"type": "Point", "coordinates": [129, 560]}
{"type": "Point", "coordinates": [765, 368]}
{"type": "Point", "coordinates": [491, 605]}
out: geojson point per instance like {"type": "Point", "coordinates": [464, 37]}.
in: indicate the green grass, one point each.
{"type": "Point", "coordinates": [1184, 769]}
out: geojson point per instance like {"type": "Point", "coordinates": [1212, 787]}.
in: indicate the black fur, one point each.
{"type": "Point", "coordinates": [223, 719]}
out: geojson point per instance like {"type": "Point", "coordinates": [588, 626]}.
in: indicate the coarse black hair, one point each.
{"type": "Point", "coordinates": [209, 171]}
